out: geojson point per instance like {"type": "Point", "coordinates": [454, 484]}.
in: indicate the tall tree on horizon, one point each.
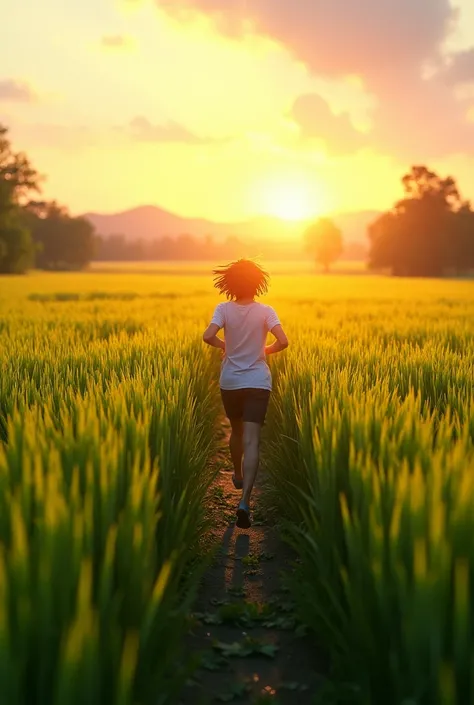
{"type": "Point", "coordinates": [428, 232]}
{"type": "Point", "coordinates": [18, 179]}
{"type": "Point", "coordinates": [323, 240]}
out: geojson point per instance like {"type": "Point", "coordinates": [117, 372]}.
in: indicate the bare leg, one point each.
{"type": "Point", "coordinates": [251, 457]}
{"type": "Point", "coordinates": [236, 447]}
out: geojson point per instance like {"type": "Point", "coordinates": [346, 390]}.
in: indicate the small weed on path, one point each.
{"type": "Point", "coordinates": [244, 625]}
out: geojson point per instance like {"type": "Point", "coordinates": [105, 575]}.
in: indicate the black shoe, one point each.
{"type": "Point", "coordinates": [243, 516]}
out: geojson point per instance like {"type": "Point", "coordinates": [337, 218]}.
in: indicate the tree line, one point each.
{"type": "Point", "coordinates": [34, 232]}
{"type": "Point", "coordinates": [186, 247]}
{"type": "Point", "coordinates": [429, 232]}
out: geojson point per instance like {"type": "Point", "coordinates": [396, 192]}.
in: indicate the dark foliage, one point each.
{"type": "Point", "coordinates": [17, 180]}
{"type": "Point", "coordinates": [62, 242]}
{"type": "Point", "coordinates": [430, 232]}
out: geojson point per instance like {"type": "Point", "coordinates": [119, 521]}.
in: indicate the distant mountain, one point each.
{"type": "Point", "coordinates": [150, 222]}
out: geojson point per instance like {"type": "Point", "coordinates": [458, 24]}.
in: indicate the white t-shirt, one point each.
{"type": "Point", "coordinates": [245, 329]}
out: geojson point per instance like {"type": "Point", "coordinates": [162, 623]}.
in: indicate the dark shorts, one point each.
{"type": "Point", "coordinates": [246, 404]}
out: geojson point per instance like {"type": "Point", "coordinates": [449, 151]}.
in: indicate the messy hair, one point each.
{"type": "Point", "coordinates": [241, 279]}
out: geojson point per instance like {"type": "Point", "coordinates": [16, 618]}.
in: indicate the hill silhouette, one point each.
{"type": "Point", "coordinates": [150, 222]}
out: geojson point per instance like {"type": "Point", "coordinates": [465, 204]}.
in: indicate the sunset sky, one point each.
{"type": "Point", "coordinates": [289, 107]}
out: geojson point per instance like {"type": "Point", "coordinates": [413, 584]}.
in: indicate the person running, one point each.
{"type": "Point", "coordinates": [245, 379]}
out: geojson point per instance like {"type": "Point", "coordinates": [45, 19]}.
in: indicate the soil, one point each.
{"type": "Point", "coordinates": [244, 608]}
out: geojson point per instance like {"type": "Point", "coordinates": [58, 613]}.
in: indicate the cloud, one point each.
{"type": "Point", "coordinates": [391, 46]}
{"type": "Point", "coordinates": [423, 121]}
{"type": "Point", "coordinates": [116, 41]}
{"type": "Point", "coordinates": [75, 137]}
{"type": "Point", "coordinates": [336, 37]}
{"type": "Point", "coordinates": [16, 91]}
{"type": "Point", "coordinates": [417, 128]}
{"type": "Point", "coordinates": [316, 121]}
{"type": "Point", "coordinates": [461, 69]}
{"type": "Point", "coordinates": [144, 131]}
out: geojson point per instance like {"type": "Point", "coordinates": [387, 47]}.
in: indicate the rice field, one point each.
{"type": "Point", "coordinates": [108, 409]}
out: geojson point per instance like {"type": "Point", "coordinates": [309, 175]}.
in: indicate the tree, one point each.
{"type": "Point", "coordinates": [461, 254]}
{"type": "Point", "coordinates": [421, 182]}
{"type": "Point", "coordinates": [62, 242]}
{"type": "Point", "coordinates": [323, 240]}
{"type": "Point", "coordinates": [16, 248]}
{"type": "Point", "coordinates": [429, 232]}
{"type": "Point", "coordinates": [17, 180]}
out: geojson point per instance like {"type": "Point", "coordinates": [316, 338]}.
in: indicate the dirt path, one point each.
{"type": "Point", "coordinates": [252, 650]}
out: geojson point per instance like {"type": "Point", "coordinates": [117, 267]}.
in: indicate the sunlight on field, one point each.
{"type": "Point", "coordinates": [204, 268]}
{"type": "Point", "coordinates": [134, 281]}
{"type": "Point", "coordinates": [107, 391]}
{"type": "Point", "coordinates": [96, 385]}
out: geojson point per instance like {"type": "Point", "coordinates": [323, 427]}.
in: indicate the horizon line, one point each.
{"type": "Point", "coordinates": [257, 216]}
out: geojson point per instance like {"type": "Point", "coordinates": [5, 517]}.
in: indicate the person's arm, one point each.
{"type": "Point", "coordinates": [210, 336]}
{"type": "Point", "coordinates": [281, 342]}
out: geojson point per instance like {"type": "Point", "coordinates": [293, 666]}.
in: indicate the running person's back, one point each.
{"type": "Point", "coordinates": [245, 378]}
{"type": "Point", "coordinates": [246, 327]}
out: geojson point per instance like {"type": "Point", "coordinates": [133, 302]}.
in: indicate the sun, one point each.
{"type": "Point", "coordinates": [293, 199]}
{"type": "Point", "coordinates": [290, 203]}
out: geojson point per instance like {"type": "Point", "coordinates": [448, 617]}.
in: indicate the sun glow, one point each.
{"type": "Point", "coordinates": [291, 199]}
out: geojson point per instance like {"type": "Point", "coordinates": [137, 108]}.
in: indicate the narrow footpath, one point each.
{"type": "Point", "coordinates": [252, 649]}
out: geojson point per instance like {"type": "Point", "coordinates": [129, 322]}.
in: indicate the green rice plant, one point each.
{"type": "Point", "coordinates": [103, 476]}
{"type": "Point", "coordinates": [372, 459]}
{"type": "Point", "coordinates": [107, 411]}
